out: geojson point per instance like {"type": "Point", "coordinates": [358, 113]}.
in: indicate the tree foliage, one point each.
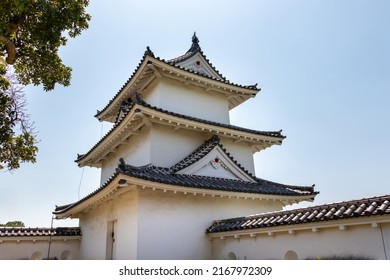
{"type": "Point", "coordinates": [13, 224]}
{"type": "Point", "coordinates": [17, 137]}
{"type": "Point", "coordinates": [31, 33]}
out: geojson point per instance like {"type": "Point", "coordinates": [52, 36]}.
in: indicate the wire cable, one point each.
{"type": "Point", "coordinates": [81, 180]}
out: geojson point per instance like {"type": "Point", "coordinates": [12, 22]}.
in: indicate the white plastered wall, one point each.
{"type": "Point", "coordinates": [241, 152]}
{"type": "Point", "coordinates": [169, 147]}
{"type": "Point", "coordinates": [94, 226]}
{"type": "Point", "coordinates": [162, 146]}
{"type": "Point", "coordinates": [361, 241]}
{"type": "Point", "coordinates": [136, 152]}
{"type": "Point", "coordinates": [36, 247]}
{"type": "Point", "coordinates": [172, 226]}
{"type": "Point", "coordinates": [192, 101]}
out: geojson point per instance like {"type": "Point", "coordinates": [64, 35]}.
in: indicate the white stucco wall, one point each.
{"type": "Point", "coordinates": [168, 147]}
{"type": "Point", "coordinates": [160, 225]}
{"type": "Point", "coordinates": [136, 152]}
{"type": "Point", "coordinates": [172, 226]}
{"type": "Point", "coordinates": [386, 238]}
{"type": "Point", "coordinates": [241, 152]}
{"type": "Point", "coordinates": [30, 248]}
{"type": "Point", "coordinates": [162, 146]}
{"type": "Point", "coordinates": [94, 226]}
{"type": "Point", "coordinates": [192, 101]}
{"type": "Point", "coordinates": [359, 241]}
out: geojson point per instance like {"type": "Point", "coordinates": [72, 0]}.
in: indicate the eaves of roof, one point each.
{"type": "Point", "coordinates": [275, 134]}
{"type": "Point", "coordinates": [161, 178]}
{"type": "Point", "coordinates": [149, 59]}
{"type": "Point", "coordinates": [168, 176]}
{"type": "Point", "coordinates": [104, 191]}
{"type": "Point", "coordinates": [333, 212]}
{"type": "Point", "coordinates": [139, 107]}
{"type": "Point", "coordinates": [170, 179]}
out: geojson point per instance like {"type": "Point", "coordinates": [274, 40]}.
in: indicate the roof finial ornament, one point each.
{"type": "Point", "coordinates": [122, 165]}
{"type": "Point", "coordinates": [195, 43]}
{"type": "Point", "coordinates": [149, 52]}
{"type": "Point", "coordinates": [195, 39]}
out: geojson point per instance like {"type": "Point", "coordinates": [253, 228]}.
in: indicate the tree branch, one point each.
{"type": "Point", "coordinates": [11, 51]}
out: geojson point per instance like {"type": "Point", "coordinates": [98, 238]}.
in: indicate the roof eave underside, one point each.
{"type": "Point", "coordinates": [140, 115]}
{"type": "Point", "coordinates": [113, 187]}
{"type": "Point", "coordinates": [151, 68]}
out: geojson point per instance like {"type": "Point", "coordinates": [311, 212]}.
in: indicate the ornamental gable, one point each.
{"type": "Point", "coordinates": [198, 64]}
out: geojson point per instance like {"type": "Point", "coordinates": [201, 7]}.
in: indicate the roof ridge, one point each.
{"type": "Point", "coordinates": [267, 133]}
{"type": "Point", "coordinates": [195, 47]}
{"type": "Point", "coordinates": [197, 154]}
{"type": "Point", "coordinates": [238, 164]}
{"type": "Point", "coordinates": [148, 52]}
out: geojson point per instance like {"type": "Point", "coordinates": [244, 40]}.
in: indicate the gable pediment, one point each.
{"type": "Point", "coordinates": [198, 64]}
{"type": "Point", "coordinates": [217, 164]}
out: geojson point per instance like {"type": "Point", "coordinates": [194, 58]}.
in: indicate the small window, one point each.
{"type": "Point", "coordinates": [291, 255]}
{"type": "Point", "coordinates": [231, 256]}
{"type": "Point", "coordinates": [36, 255]}
{"type": "Point", "coordinates": [65, 255]}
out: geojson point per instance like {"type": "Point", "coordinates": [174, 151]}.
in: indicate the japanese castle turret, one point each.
{"type": "Point", "coordinates": [172, 164]}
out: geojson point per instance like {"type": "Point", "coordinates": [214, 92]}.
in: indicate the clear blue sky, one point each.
{"type": "Point", "coordinates": [324, 70]}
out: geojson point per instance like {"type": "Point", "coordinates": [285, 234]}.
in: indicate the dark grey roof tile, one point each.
{"type": "Point", "coordinates": [173, 62]}
{"type": "Point", "coordinates": [359, 210]}
{"type": "Point", "coordinates": [349, 211]}
{"type": "Point", "coordinates": [138, 100]}
{"type": "Point", "coordinates": [330, 213]}
{"type": "Point", "coordinates": [194, 49]}
{"type": "Point", "coordinates": [312, 215]}
{"type": "Point", "coordinates": [26, 232]}
{"type": "Point", "coordinates": [340, 212]}
{"type": "Point", "coordinates": [352, 209]}
{"type": "Point", "coordinates": [385, 205]}
{"type": "Point", "coordinates": [170, 176]}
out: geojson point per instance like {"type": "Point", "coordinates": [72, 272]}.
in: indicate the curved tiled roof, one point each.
{"type": "Point", "coordinates": [229, 126]}
{"type": "Point", "coordinates": [327, 212]}
{"type": "Point", "coordinates": [141, 102]}
{"type": "Point", "coordinates": [173, 62]}
{"type": "Point", "coordinates": [195, 48]}
{"type": "Point", "coordinates": [203, 150]}
{"type": "Point", "coordinates": [166, 176]}
{"type": "Point", "coordinates": [225, 81]}
{"type": "Point", "coordinates": [27, 232]}
{"type": "Point", "coordinates": [147, 53]}
{"type": "Point", "coordinates": [169, 176]}
{"type": "Point", "coordinates": [200, 152]}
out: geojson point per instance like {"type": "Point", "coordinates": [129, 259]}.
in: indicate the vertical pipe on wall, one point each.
{"type": "Point", "coordinates": [50, 234]}
{"type": "Point", "coordinates": [383, 242]}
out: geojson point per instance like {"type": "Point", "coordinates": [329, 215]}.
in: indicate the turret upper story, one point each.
{"type": "Point", "coordinates": [188, 84]}
{"type": "Point", "coordinates": [168, 108]}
